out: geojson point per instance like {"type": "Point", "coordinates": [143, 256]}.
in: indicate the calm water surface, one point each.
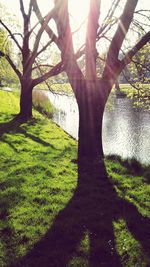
{"type": "Point", "coordinates": [126, 130]}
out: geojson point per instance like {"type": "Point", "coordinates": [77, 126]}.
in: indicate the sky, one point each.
{"type": "Point", "coordinates": [79, 7]}
{"type": "Point", "coordinates": [78, 10]}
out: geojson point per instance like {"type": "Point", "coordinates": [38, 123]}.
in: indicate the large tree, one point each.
{"type": "Point", "coordinates": [91, 91]}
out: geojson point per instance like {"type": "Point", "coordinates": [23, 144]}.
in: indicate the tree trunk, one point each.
{"type": "Point", "coordinates": [26, 99]}
{"type": "Point", "coordinates": [117, 87]}
{"type": "Point", "coordinates": [91, 108]}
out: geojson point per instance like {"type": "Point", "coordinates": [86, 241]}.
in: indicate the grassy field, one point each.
{"type": "Point", "coordinates": [48, 218]}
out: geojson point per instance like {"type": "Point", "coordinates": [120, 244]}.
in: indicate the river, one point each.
{"type": "Point", "coordinates": [126, 130]}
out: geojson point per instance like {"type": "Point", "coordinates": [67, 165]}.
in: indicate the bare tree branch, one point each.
{"type": "Point", "coordinates": [22, 8]}
{"type": "Point", "coordinates": [129, 81]}
{"type": "Point", "coordinates": [30, 8]}
{"type": "Point", "coordinates": [91, 36]}
{"type": "Point", "coordinates": [50, 33]}
{"type": "Point", "coordinates": [11, 34]}
{"type": "Point", "coordinates": [38, 37]}
{"type": "Point", "coordinates": [41, 73]}
{"type": "Point", "coordinates": [112, 62]}
{"type": "Point", "coordinates": [144, 66]}
{"type": "Point", "coordinates": [44, 48]}
{"type": "Point", "coordinates": [10, 61]}
{"type": "Point", "coordinates": [65, 36]}
{"type": "Point", "coordinates": [52, 72]}
{"type": "Point", "coordinates": [108, 17]}
{"type": "Point", "coordinates": [130, 54]}
{"type": "Point", "coordinates": [42, 65]}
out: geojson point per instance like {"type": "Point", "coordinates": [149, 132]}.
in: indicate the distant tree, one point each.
{"type": "Point", "coordinates": [6, 72]}
{"type": "Point", "coordinates": [137, 74]}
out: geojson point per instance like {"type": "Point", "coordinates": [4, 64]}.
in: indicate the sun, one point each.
{"type": "Point", "coordinates": [78, 11]}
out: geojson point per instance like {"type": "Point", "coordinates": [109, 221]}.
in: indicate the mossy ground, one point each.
{"type": "Point", "coordinates": [39, 198]}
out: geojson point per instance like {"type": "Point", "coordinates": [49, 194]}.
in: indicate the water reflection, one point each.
{"type": "Point", "coordinates": [66, 115]}
{"type": "Point", "coordinates": [126, 130]}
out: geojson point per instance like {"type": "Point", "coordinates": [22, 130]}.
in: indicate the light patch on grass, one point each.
{"type": "Point", "coordinates": [128, 248]}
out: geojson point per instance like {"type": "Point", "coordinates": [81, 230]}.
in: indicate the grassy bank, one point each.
{"type": "Point", "coordinates": [42, 104]}
{"type": "Point", "coordinates": [38, 180]}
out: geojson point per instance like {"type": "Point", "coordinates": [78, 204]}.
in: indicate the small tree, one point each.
{"type": "Point", "coordinates": [29, 49]}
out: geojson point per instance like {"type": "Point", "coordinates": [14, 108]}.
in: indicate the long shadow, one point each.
{"type": "Point", "coordinates": [92, 209]}
{"type": "Point", "coordinates": [8, 200]}
{"type": "Point", "coordinates": [133, 166]}
{"type": "Point", "coordinates": [14, 126]}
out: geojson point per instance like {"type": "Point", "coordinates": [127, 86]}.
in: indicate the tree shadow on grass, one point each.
{"type": "Point", "coordinates": [11, 194]}
{"type": "Point", "coordinates": [14, 127]}
{"type": "Point", "coordinates": [93, 208]}
{"type": "Point", "coordinates": [133, 166]}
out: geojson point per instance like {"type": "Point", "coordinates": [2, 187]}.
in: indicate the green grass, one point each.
{"type": "Point", "coordinates": [46, 219]}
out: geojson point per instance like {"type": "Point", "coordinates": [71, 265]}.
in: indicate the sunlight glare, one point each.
{"type": "Point", "coordinates": [79, 11]}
